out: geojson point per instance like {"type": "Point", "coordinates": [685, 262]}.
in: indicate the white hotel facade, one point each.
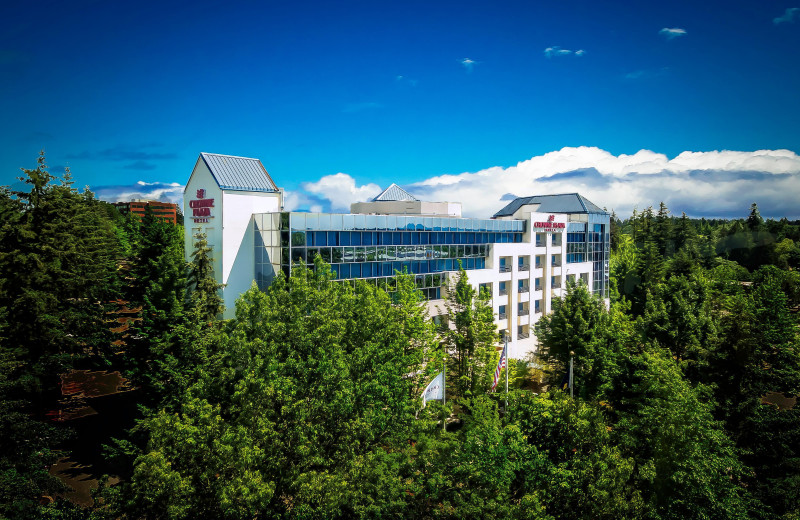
{"type": "Point", "coordinates": [523, 255]}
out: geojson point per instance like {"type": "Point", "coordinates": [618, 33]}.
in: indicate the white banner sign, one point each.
{"type": "Point", "coordinates": [435, 390]}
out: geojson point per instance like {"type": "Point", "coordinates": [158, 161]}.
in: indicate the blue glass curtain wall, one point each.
{"type": "Point", "coordinates": [375, 246]}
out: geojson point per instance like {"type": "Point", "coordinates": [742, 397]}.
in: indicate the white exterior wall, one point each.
{"type": "Point", "coordinates": [238, 260]}
{"type": "Point", "coordinates": [201, 178]}
{"type": "Point", "coordinates": [520, 348]}
{"type": "Point", "coordinates": [229, 230]}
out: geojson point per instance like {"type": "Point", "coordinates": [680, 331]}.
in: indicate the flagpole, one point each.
{"type": "Point", "coordinates": [571, 357]}
{"type": "Point", "coordinates": [507, 365]}
{"type": "Point", "coordinates": [444, 387]}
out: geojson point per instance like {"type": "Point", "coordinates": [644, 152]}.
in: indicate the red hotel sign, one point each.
{"type": "Point", "coordinates": [550, 225]}
{"type": "Point", "coordinates": [201, 208]}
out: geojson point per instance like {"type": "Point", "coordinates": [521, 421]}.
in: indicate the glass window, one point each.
{"type": "Point", "coordinates": [325, 253]}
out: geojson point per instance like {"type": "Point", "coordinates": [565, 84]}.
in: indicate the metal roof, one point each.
{"type": "Point", "coordinates": [239, 173]}
{"type": "Point", "coordinates": [562, 203]}
{"type": "Point", "coordinates": [394, 193]}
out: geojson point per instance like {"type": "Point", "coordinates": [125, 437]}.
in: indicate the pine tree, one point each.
{"type": "Point", "coordinates": [204, 291]}
{"type": "Point", "coordinates": [662, 230]}
{"type": "Point", "coordinates": [754, 220]}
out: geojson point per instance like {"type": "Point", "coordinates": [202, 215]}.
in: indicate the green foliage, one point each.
{"type": "Point", "coordinates": [26, 450]}
{"type": "Point", "coordinates": [579, 325]}
{"type": "Point", "coordinates": [295, 411]}
{"type": "Point", "coordinates": [685, 465]}
{"type": "Point", "coordinates": [57, 266]}
{"type": "Point", "coordinates": [472, 343]}
{"type": "Point", "coordinates": [202, 286]}
{"type": "Point", "coordinates": [572, 467]}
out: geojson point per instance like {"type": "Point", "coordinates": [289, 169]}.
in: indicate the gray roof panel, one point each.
{"type": "Point", "coordinates": [394, 193]}
{"type": "Point", "coordinates": [562, 203]}
{"type": "Point", "coordinates": [239, 173]}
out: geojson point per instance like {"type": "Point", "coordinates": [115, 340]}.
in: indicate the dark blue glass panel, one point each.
{"type": "Point", "coordinates": [407, 238]}
{"type": "Point", "coordinates": [344, 238]}
{"type": "Point", "coordinates": [367, 238]}
{"type": "Point", "coordinates": [355, 238]}
{"type": "Point", "coordinates": [425, 238]}
{"type": "Point", "coordinates": [414, 238]}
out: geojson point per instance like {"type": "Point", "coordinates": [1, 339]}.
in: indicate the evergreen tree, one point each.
{"type": "Point", "coordinates": [472, 342]}
{"type": "Point", "coordinates": [204, 291]}
{"type": "Point", "coordinates": [662, 231]}
{"type": "Point", "coordinates": [754, 220]}
{"type": "Point", "coordinates": [615, 231]}
{"type": "Point", "coordinates": [684, 234]}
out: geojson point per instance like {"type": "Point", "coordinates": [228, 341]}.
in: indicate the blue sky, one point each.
{"type": "Point", "coordinates": [127, 94]}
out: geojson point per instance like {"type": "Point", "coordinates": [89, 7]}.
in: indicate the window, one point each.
{"type": "Point", "coordinates": [501, 311]}
{"type": "Point", "coordinates": [503, 288]}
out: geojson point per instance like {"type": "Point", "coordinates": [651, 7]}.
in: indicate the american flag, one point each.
{"type": "Point", "coordinates": [500, 366]}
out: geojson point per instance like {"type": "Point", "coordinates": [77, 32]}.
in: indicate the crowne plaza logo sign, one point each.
{"type": "Point", "coordinates": [201, 207]}
{"type": "Point", "coordinates": [550, 224]}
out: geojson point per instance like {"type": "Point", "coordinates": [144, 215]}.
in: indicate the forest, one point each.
{"type": "Point", "coordinates": [307, 403]}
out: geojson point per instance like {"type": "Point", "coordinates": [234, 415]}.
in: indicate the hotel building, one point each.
{"type": "Point", "coordinates": [523, 255]}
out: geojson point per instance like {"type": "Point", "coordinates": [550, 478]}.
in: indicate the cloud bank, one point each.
{"type": "Point", "coordinates": [703, 184]}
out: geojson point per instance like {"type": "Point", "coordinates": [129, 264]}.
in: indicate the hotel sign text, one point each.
{"type": "Point", "coordinates": [201, 208]}
{"type": "Point", "coordinates": [550, 225]}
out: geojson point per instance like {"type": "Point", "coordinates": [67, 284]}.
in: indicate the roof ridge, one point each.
{"type": "Point", "coordinates": [231, 156]}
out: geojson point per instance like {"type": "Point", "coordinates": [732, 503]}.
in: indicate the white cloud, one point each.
{"type": "Point", "coordinates": [791, 14]}
{"type": "Point", "coordinates": [720, 183]}
{"type": "Point", "coordinates": [339, 191]}
{"type": "Point", "coordinates": [558, 51]}
{"type": "Point", "coordinates": [671, 33]}
{"type": "Point", "coordinates": [468, 64]}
